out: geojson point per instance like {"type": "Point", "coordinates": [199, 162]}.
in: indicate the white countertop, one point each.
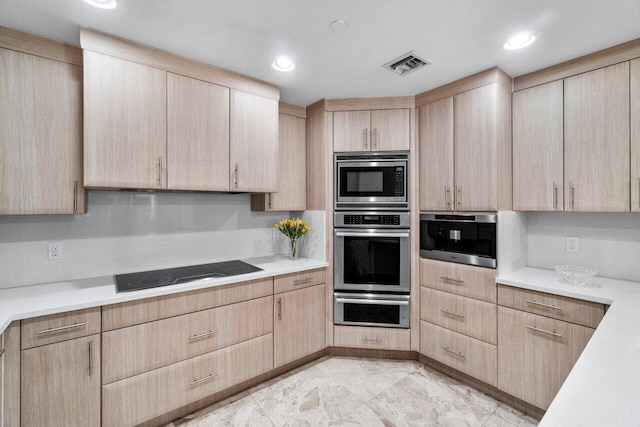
{"type": "Point", "coordinates": [51, 298]}
{"type": "Point", "coordinates": [603, 389]}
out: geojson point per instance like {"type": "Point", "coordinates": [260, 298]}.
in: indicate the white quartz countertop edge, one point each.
{"type": "Point", "coordinates": [603, 388]}
{"type": "Point", "coordinates": [51, 298]}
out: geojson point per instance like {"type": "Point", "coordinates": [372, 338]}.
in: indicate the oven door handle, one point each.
{"type": "Point", "coordinates": [356, 234]}
{"type": "Point", "coordinates": [370, 301]}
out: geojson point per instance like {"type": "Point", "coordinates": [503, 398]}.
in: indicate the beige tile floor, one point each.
{"type": "Point", "coordinates": [343, 391]}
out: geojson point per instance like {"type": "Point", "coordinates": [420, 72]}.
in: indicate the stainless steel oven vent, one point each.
{"type": "Point", "coordinates": [407, 63]}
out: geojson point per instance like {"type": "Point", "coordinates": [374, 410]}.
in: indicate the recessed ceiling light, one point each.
{"type": "Point", "coordinates": [338, 25]}
{"type": "Point", "coordinates": [520, 40]}
{"type": "Point", "coordinates": [103, 4]}
{"type": "Point", "coordinates": [283, 63]}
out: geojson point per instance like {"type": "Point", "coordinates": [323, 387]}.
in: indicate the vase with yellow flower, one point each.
{"type": "Point", "coordinates": [294, 229]}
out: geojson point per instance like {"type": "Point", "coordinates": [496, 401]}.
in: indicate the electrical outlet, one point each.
{"type": "Point", "coordinates": [572, 244]}
{"type": "Point", "coordinates": [55, 251]}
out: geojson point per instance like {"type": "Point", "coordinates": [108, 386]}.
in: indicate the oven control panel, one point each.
{"type": "Point", "coordinates": [372, 219]}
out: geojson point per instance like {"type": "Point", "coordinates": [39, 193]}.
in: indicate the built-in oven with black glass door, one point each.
{"type": "Point", "coordinates": [372, 181]}
{"type": "Point", "coordinates": [372, 252]}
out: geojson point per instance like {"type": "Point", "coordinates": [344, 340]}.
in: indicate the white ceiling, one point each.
{"type": "Point", "coordinates": [461, 37]}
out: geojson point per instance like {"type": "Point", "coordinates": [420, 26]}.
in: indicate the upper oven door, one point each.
{"type": "Point", "coordinates": [372, 260]}
{"type": "Point", "coordinates": [379, 183]}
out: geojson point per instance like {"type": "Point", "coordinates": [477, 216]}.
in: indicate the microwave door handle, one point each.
{"type": "Point", "coordinates": [348, 234]}
{"type": "Point", "coordinates": [370, 301]}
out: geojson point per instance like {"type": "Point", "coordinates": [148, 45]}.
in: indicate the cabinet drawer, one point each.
{"type": "Point", "coordinates": [137, 349]}
{"type": "Point", "coordinates": [377, 338]}
{"type": "Point", "coordinates": [60, 327]}
{"type": "Point", "coordinates": [477, 319]}
{"type": "Point", "coordinates": [465, 280]}
{"type": "Point", "coordinates": [468, 355]}
{"type": "Point", "coordinates": [289, 282]}
{"type": "Point", "coordinates": [135, 312]}
{"type": "Point", "coordinates": [149, 395]}
{"type": "Point", "coordinates": [572, 310]}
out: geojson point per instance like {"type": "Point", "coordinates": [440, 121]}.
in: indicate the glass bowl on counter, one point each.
{"type": "Point", "coordinates": [575, 275]}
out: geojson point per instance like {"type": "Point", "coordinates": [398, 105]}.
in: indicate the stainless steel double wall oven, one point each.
{"type": "Point", "coordinates": [372, 265]}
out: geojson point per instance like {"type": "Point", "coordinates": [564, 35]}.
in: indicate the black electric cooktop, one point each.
{"type": "Point", "coordinates": [174, 276]}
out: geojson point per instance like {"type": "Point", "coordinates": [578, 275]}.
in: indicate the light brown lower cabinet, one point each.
{"type": "Point", "coordinates": [298, 324]}
{"type": "Point", "coordinates": [10, 376]}
{"type": "Point", "coordinates": [60, 383]}
{"type": "Point", "coordinates": [536, 354]}
{"type": "Point", "coordinates": [146, 396]}
{"type": "Point", "coordinates": [469, 355]}
{"type": "Point", "coordinates": [373, 338]}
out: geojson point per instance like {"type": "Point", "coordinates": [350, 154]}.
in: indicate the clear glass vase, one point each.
{"type": "Point", "coordinates": [293, 249]}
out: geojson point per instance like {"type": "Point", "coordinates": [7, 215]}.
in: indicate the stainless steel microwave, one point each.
{"type": "Point", "coordinates": [372, 181]}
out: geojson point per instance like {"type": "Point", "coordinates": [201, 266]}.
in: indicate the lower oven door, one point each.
{"type": "Point", "coordinates": [371, 309]}
{"type": "Point", "coordinates": [372, 260]}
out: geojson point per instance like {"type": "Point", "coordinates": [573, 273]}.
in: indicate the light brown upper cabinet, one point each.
{"type": "Point", "coordinates": [40, 134]}
{"type": "Point", "coordinates": [635, 135]}
{"type": "Point", "coordinates": [596, 140]}
{"type": "Point", "coordinates": [465, 146]}
{"type": "Point", "coordinates": [538, 170]}
{"type": "Point", "coordinates": [197, 135]}
{"type": "Point", "coordinates": [125, 132]}
{"type": "Point", "coordinates": [436, 155]}
{"type": "Point", "coordinates": [376, 130]}
{"type": "Point", "coordinates": [292, 149]}
{"type": "Point", "coordinates": [254, 143]}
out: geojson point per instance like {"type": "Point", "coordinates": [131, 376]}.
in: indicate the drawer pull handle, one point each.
{"type": "Point", "coordinates": [544, 331]}
{"type": "Point", "coordinates": [453, 314]}
{"type": "Point", "coordinates": [371, 339]}
{"type": "Point", "coordinates": [61, 328]}
{"type": "Point", "coordinates": [206, 334]}
{"type": "Point", "coordinates": [451, 279]}
{"type": "Point", "coordinates": [90, 358]}
{"type": "Point", "coordinates": [555, 307]}
{"type": "Point", "coordinates": [457, 353]}
{"type": "Point", "coordinates": [201, 380]}
{"type": "Point", "coordinates": [301, 281]}
{"type": "Point", "coordinates": [1, 352]}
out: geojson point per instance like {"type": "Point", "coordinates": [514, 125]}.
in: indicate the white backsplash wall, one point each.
{"type": "Point", "coordinates": [135, 231]}
{"type": "Point", "coordinates": [608, 242]}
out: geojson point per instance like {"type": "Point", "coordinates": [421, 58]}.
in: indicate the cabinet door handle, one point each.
{"type": "Point", "coordinates": [61, 328]}
{"type": "Point", "coordinates": [375, 138]}
{"type": "Point", "coordinates": [75, 196]}
{"type": "Point", "coordinates": [458, 198]}
{"type": "Point", "coordinates": [555, 195]}
{"type": "Point", "coordinates": [365, 339]}
{"type": "Point", "coordinates": [201, 380]}
{"type": "Point", "coordinates": [160, 171]}
{"type": "Point", "coordinates": [90, 358]}
{"type": "Point", "coordinates": [279, 308]}
{"type": "Point", "coordinates": [301, 281]}
{"type": "Point", "coordinates": [572, 196]}
{"type": "Point", "coordinates": [269, 199]}
{"type": "Point", "coordinates": [205, 334]}
{"type": "Point", "coordinates": [449, 279]}
{"type": "Point", "coordinates": [457, 353]}
{"type": "Point", "coordinates": [235, 176]}
{"type": "Point", "coordinates": [544, 331]}
{"type": "Point", "coordinates": [365, 134]}
{"type": "Point", "coordinates": [447, 196]}
{"type": "Point", "coordinates": [1, 352]}
{"type": "Point", "coordinates": [555, 307]}
{"type": "Point", "coordinates": [453, 314]}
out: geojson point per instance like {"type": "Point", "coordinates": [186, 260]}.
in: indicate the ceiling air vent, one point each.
{"type": "Point", "coordinates": [407, 63]}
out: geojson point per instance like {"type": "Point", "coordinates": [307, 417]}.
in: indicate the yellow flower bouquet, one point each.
{"type": "Point", "coordinates": [293, 229]}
